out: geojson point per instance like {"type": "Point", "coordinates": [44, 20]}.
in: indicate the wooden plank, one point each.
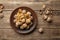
{"type": "Point", "coordinates": [28, 0]}
{"type": "Point", "coordinates": [54, 24]}
{"type": "Point", "coordinates": [34, 5]}
{"type": "Point", "coordinates": [10, 34]}
{"type": "Point", "coordinates": [41, 23]}
{"type": "Point", "coordinates": [55, 5]}
{"type": "Point", "coordinates": [25, 0]}
{"type": "Point", "coordinates": [14, 4]}
{"type": "Point", "coordinates": [51, 31]}
{"type": "Point", "coordinates": [5, 21]}
{"type": "Point", "coordinates": [16, 0]}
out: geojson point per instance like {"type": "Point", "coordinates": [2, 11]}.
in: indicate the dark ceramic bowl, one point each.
{"type": "Point", "coordinates": [34, 25]}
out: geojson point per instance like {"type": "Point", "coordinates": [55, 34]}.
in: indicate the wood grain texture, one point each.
{"type": "Point", "coordinates": [11, 4]}
{"type": "Point", "coordinates": [41, 23]}
{"type": "Point", "coordinates": [51, 31]}
{"type": "Point", "coordinates": [10, 34]}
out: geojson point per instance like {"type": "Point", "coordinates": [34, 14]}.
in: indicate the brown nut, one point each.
{"type": "Point", "coordinates": [31, 18]}
{"type": "Point", "coordinates": [23, 20]}
{"type": "Point", "coordinates": [1, 6]}
{"type": "Point", "coordinates": [40, 30]}
{"type": "Point", "coordinates": [45, 17]}
{"type": "Point", "coordinates": [44, 6]}
{"type": "Point", "coordinates": [29, 13]}
{"type": "Point", "coordinates": [49, 19]}
{"type": "Point", "coordinates": [1, 10]}
{"type": "Point", "coordinates": [23, 11]}
{"type": "Point", "coordinates": [28, 21]}
{"type": "Point", "coordinates": [18, 23]}
{"type": "Point", "coordinates": [21, 27]}
{"type": "Point", "coordinates": [24, 25]}
{"type": "Point", "coordinates": [28, 27]}
{"type": "Point", "coordinates": [20, 10]}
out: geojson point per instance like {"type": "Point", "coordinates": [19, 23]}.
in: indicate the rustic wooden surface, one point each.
{"type": "Point", "coordinates": [51, 31]}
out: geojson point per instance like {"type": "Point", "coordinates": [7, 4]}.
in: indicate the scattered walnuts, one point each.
{"type": "Point", "coordinates": [47, 14]}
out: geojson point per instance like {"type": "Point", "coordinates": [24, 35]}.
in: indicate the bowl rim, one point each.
{"type": "Point", "coordinates": [31, 29]}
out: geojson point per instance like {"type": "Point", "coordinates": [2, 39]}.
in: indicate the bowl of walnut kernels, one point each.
{"type": "Point", "coordinates": [23, 20]}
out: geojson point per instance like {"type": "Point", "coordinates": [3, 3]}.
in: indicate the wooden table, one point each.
{"type": "Point", "coordinates": [51, 31]}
